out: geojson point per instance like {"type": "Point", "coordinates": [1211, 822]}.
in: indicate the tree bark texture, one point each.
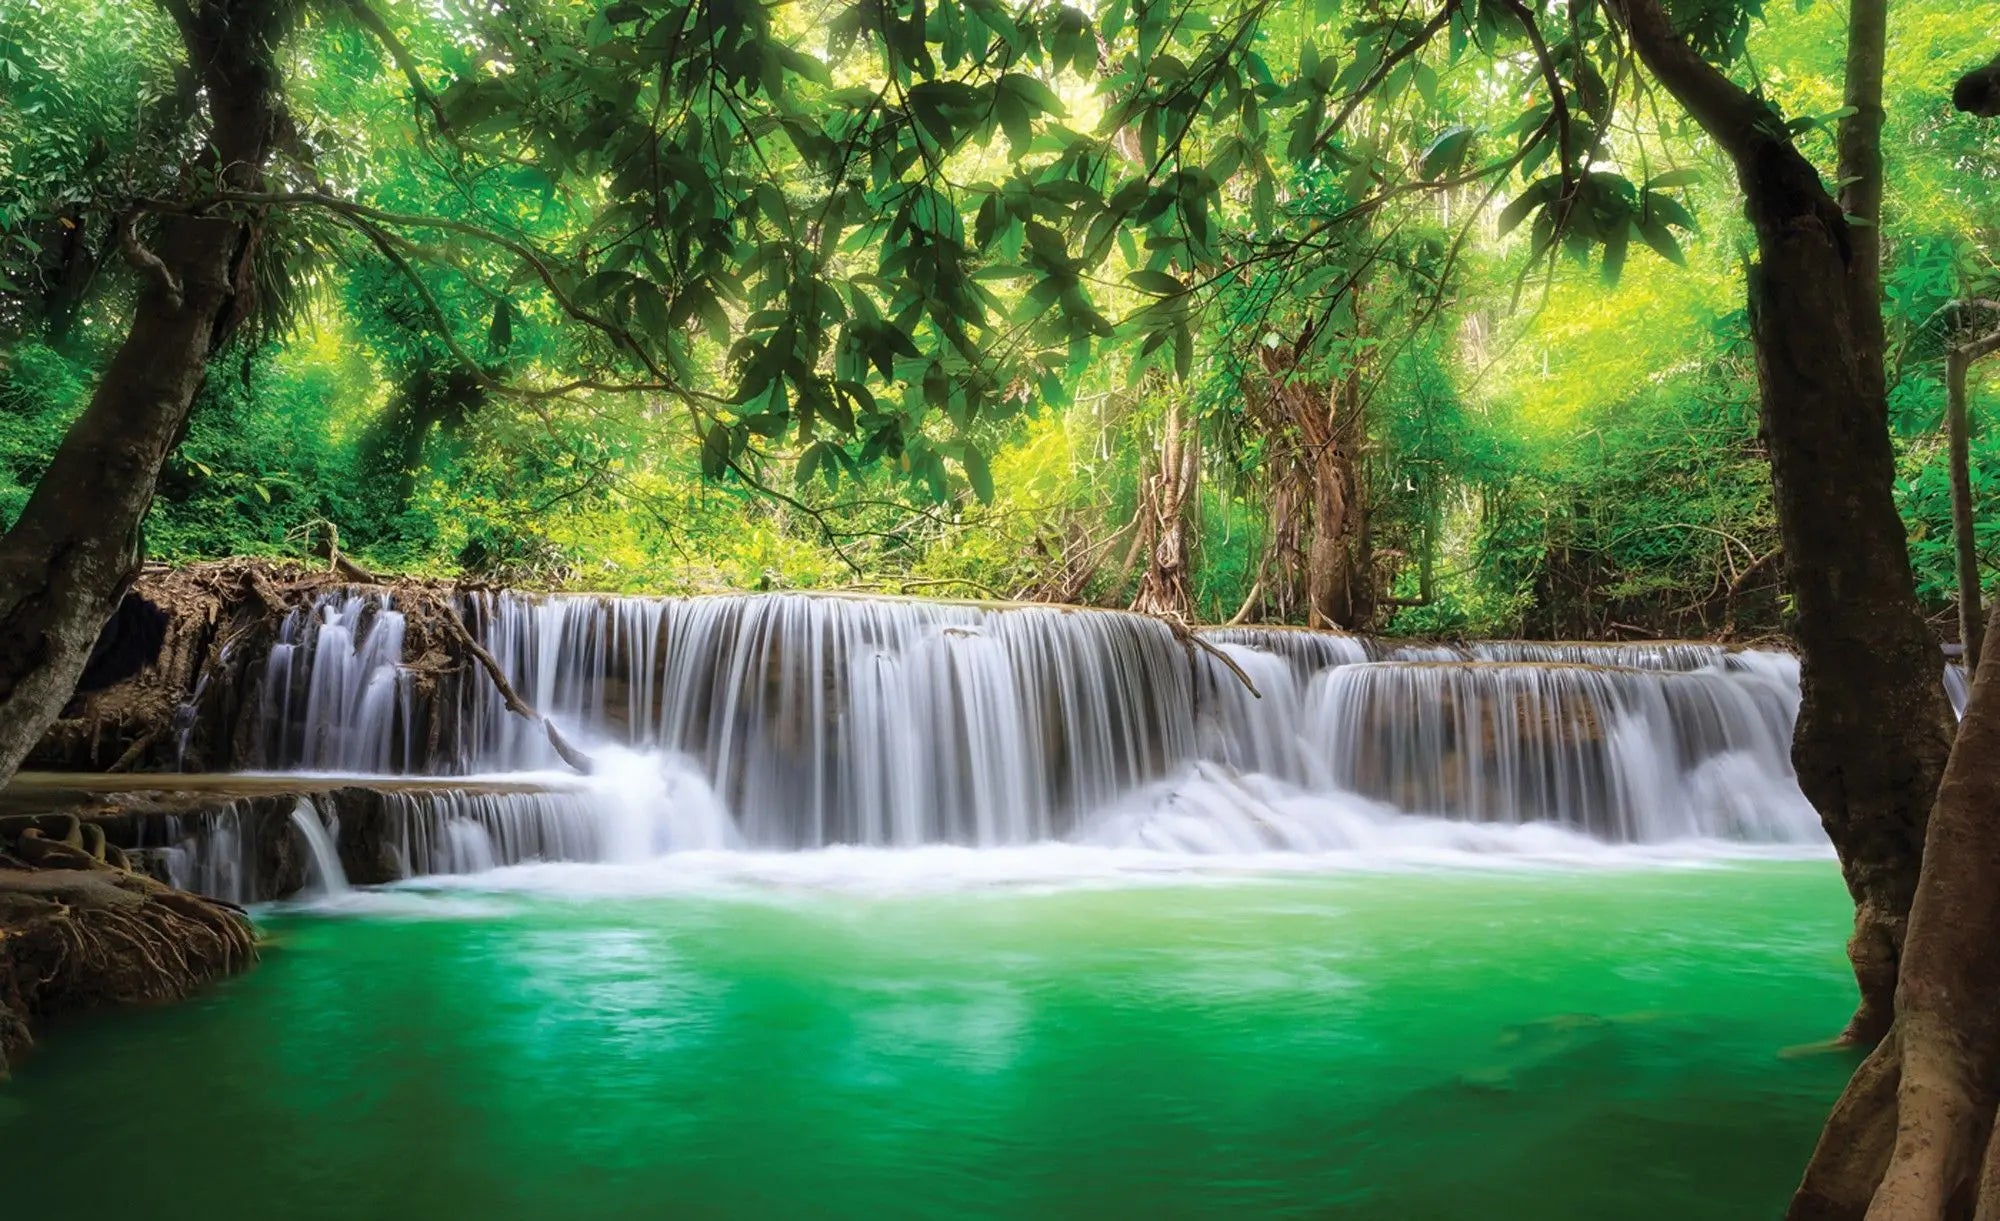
{"type": "Point", "coordinates": [1873, 729]}
{"type": "Point", "coordinates": [1168, 504]}
{"type": "Point", "coordinates": [1859, 169]}
{"type": "Point", "coordinates": [1318, 427]}
{"type": "Point", "coordinates": [1964, 542]}
{"type": "Point", "coordinates": [1911, 1138]}
{"type": "Point", "coordinates": [77, 545]}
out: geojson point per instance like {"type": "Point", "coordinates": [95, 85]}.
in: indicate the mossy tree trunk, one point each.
{"type": "Point", "coordinates": [1317, 429]}
{"type": "Point", "coordinates": [1170, 509]}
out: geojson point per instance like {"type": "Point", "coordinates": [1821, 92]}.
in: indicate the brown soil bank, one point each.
{"type": "Point", "coordinates": [187, 703]}
{"type": "Point", "coordinates": [78, 931]}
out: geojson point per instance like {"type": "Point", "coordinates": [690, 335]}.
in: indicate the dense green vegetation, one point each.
{"type": "Point", "coordinates": [1561, 446]}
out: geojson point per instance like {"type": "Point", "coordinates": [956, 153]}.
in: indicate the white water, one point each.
{"type": "Point", "coordinates": [324, 877]}
{"type": "Point", "coordinates": [334, 695]}
{"type": "Point", "coordinates": [996, 747]}
{"type": "Point", "coordinates": [1957, 687]}
{"type": "Point", "coordinates": [789, 721]}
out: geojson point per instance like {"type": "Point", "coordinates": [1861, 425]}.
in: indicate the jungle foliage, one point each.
{"type": "Point", "coordinates": [679, 296]}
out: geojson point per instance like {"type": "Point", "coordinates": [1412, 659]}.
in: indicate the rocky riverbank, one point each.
{"type": "Point", "coordinates": [80, 930]}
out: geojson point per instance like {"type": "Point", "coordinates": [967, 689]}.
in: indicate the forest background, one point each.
{"type": "Point", "coordinates": [1451, 431]}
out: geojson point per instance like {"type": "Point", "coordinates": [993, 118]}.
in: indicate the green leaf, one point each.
{"type": "Point", "coordinates": [1686, 177]}
{"type": "Point", "coordinates": [1668, 210]}
{"type": "Point", "coordinates": [1615, 247]}
{"type": "Point", "coordinates": [1032, 91]}
{"type": "Point", "coordinates": [1447, 152]}
{"type": "Point", "coordinates": [977, 473]}
{"type": "Point", "coordinates": [1661, 239]}
{"type": "Point", "coordinates": [715, 451]}
{"type": "Point", "coordinates": [1539, 192]}
{"type": "Point", "coordinates": [810, 67]}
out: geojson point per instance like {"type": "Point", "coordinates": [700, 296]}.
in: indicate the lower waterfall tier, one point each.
{"type": "Point", "coordinates": [257, 838]}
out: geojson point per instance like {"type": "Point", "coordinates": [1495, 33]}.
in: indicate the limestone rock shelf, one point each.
{"type": "Point", "coordinates": [233, 837]}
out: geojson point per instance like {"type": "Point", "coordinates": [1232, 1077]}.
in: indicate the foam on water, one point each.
{"type": "Point", "coordinates": [1208, 826]}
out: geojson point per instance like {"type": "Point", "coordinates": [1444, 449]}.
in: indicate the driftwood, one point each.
{"type": "Point", "coordinates": [577, 759]}
{"type": "Point", "coordinates": [1191, 640]}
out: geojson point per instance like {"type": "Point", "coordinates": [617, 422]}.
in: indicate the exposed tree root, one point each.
{"type": "Point", "coordinates": [187, 711]}
{"type": "Point", "coordinates": [78, 938]}
{"type": "Point", "coordinates": [1911, 1138]}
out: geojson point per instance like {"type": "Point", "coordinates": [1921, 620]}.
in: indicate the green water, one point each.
{"type": "Point", "coordinates": [1551, 1044]}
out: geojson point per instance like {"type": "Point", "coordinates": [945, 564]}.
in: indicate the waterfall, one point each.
{"type": "Point", "coordinates": [324, 877]}
{"type": "Point", "coordinates": [1627, 755]}
{"type": "Point", "coordinates": [461, 831]}
{"type": "Point", "coordinates": [800, 721]}
{"type": "Point", "coordinates": [832, 720]}
{"type": "Point", "coordinates": [1957, 687]}
{"type": "Point", "coordinates": [201, 853]}
{"type": "Point", "coordinates": [334, 696]}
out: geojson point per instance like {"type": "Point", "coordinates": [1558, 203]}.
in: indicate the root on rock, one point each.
{"type": "Point", "coordinates": [89, 936]}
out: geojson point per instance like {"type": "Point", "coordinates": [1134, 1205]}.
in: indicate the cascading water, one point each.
{"type": "Point", "coordinates": [832, 720]}
{"type": "Point", "coordinates": [202, 854]}
{"type": "Point", "coordinates": [799, 721]}
{"type": "Point", "coordinates": [324, 876]}
{"type": "Point", "coordinates": [335, 697]}
{"type": "Point", "coordinates": [1627, 755]}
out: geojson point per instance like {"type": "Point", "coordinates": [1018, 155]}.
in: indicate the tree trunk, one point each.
{"type": "Point", "coordinates": [1169, 501]}
{"type": "Point", "coordinates": [1859, 170]}
{"type": "Point", "coordinates": [1873, 729]}
{"type": "Point", "coordinates": [1329, 588]}
{"type": "Point", "coordinates": [1911, 1138]}
{"type": "Point", "coordinates": [1321, 425]}
{"type": "Point", "coordinates": [76, 546]}
{"type": "Point", "coordinates": [1361, 593]}
{"type": "Point", "coordinates": [1958, 362]}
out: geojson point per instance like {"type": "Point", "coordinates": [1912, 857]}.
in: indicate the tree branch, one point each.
{"type": "Point", "coordinates": [515, 704]}
{"type": "Point", "coordinates": [1739, 122]}
{"type": "Point", "coordinates": [148, 264]}
{"type": "Point", "coordinates": [373, 22]}
{"type": "Point", "coordinates": [1558, 104]}
{"type": "Point", "coordinates": [619, 335]}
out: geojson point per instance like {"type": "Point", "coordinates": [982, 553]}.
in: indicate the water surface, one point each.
{"type": "Point", "coordinates": [884, 1035]}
